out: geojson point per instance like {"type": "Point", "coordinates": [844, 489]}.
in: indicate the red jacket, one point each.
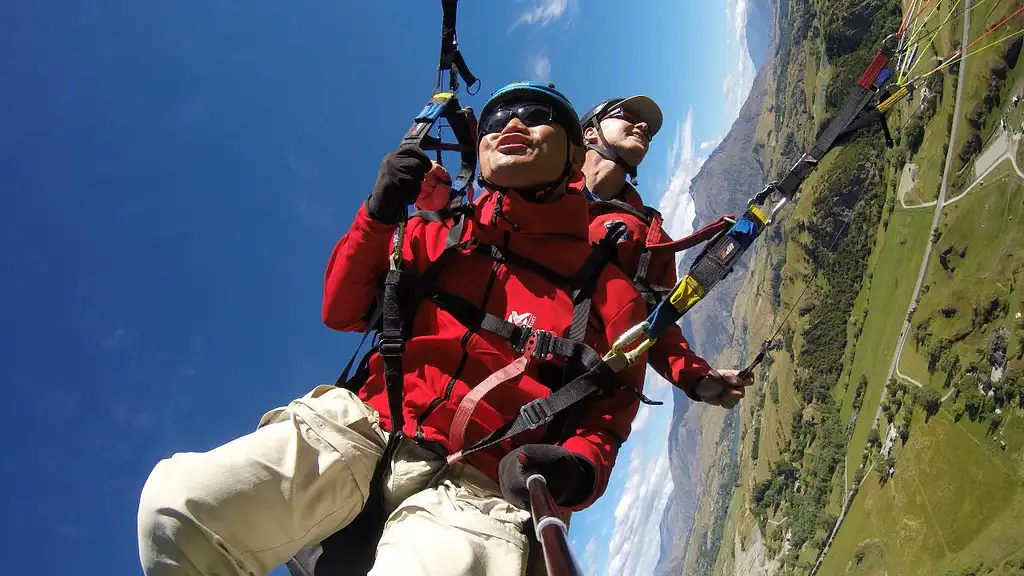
{"type": "Point", "coordinates": [443, 360]}
{"type": "Point", "coordinates": [671, 356]}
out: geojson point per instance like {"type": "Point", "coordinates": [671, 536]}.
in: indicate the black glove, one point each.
{"type": "Point", "coordinates": [570, 477]}
{"type": "Point", "coordinates": [398, 183]}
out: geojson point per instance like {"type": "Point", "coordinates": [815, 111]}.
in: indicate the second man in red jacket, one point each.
{"type": "Point", "coordinates": [617, 134]}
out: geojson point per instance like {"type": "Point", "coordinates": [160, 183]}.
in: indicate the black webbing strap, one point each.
{"type": "Point", "coordinates": [370, 327]}
{"type": "Point", "coordinates": [447, 213]}
{"type": "Point", "coordinates": [451, 57]}
{"type": "Point", "coordinates": [640, 281]}
{"type": "Point", "coordinates": [718, 257]}
{"type": "Point", "coordinates": [392, 346]}
{"type": "Point", "coordinates": [642, 266]}
{"type": "Point", "coordinates": [506, 256]}
{"type": "Point", "coordinates": [604, 252]}
{"type": "Point", "coordinates": [623, 206]}
{"type": "Point", "coordinates": [856, 100]}
{"type": "Point", "coordinates": [538, 412]}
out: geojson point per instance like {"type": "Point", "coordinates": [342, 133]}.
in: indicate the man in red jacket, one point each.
{"type": "Point", "coordinates": [501, 319]}
{"type": "Point", "coordinates": [617, 134]}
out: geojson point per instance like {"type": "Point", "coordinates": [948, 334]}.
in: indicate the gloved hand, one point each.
{"type": "Point", "coordinates": [723, 388]}
{"type": "Point", "coordinates": [398, 183]}
{"type": "Point", "coordinates": [570, 478]}
{"type": "Point", "coordinates": [436, 189]}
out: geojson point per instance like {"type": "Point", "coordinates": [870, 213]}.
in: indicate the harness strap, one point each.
{"type": "Point", "coordinates": [538, 343]}
{"type": "Point", "coordinates": [623, 206]}
{"type": "Point", "coordinates": [374, 318]}
{"type": "Point", "coordinates": [391, 348]}
{"type": "Point", "coordinates": [457, 432]}
{"type": "Point", "coordinates": [604, 251]}
{"type": "Point", "coordinates": [504, 255]}
{"type": "Point", "coordinates": [540, 411]}
{"type": "Point", "coordinates": [446, 213]}
{"type": "Point", "coordinates": [700, 236]}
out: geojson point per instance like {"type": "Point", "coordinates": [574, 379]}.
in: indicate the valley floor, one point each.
{"type": "Point", "coordinates": [940, 489]}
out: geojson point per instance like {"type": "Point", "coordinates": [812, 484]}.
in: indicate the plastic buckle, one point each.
{"type": "Point", "coordinates": [390, 347]}
{"type": "Point", "coordinates": [535, 414]}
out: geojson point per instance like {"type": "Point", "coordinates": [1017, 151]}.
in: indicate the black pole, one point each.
{"type": "Point", "coordinates": [551, 531]}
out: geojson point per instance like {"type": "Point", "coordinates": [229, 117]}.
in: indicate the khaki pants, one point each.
{"type": "Point", "coordinates": [248, 506]}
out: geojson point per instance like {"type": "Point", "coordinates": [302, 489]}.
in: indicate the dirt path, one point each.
{"type": "Point", "coordinates": [1008, 154]}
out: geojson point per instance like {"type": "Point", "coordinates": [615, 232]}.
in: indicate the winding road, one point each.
{"type": "Point", "coordinates": [1009, 153]}
{"type": "Point", "coordinates": [935, 221]}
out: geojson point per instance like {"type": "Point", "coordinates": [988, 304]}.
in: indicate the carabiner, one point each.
{"type": "Point", "coordinates": [618, 358]}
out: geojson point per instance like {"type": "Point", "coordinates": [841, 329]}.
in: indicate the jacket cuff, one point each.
{"type": "Point", "coordinates": [365, 220]}
{"type": "Point", "coordinates": [380, 212]}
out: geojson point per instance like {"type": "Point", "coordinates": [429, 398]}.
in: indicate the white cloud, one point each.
{"type": "Point", "coordinates": [736, 13]}
{"type": "Point", "coordinates": [590, 556]}
{"type": "Point", "coordinates": [677, 206]}
{"type": "Point", "coordinates": [540, 67]}
{"type": "Point", "coordinates": [642, 416]}
{"type": "Point", "coordinates": [636, 541]}
{"type": "Point", "coordinates": [737, 82]}
{"type": "Point", "coordinates": [707, 144]}
{"type": "Point", "coordinates": [544, 12]}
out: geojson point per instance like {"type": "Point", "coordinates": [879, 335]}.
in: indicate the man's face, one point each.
{"type": "Point", "coordinates": [626, 133]}
{"type": "Point", "coordinates": [526, 150]}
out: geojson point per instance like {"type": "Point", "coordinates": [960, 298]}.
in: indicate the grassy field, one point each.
{"type": "Point", "coordinates": [914, 364]}
{"type": "Point", "coordinates": [930, 159]}
{"type": "Point", "coordinates": [1020, 157]}
{"type": "Point", "coordinates": [937, 512]}
{"type": "Point", "coordinates": [942, 512]}
{"type": "Point", "coordinates": [892, 281]}
{"type": "Point", "coordinates": [989, 224]}
{"type": "Point", "coordinates": [979, 67]}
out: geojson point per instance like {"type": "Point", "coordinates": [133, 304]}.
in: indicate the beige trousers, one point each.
{"type": "Point", "coordinates": [248, 506]}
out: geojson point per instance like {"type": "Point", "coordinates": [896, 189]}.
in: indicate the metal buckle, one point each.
{"type": "Point", "coordinates": [535, 414]}
{"type": "Point", "coordinates": [538, 345]}
{"type": "Point", "coordinates": [391, 347]}
{"type": "Point", "coordinates": [521, 339]}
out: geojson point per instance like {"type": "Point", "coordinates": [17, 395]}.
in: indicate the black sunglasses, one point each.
{"type": "Point", "coordinates": [529, 114]}
{"type": "Point", "coordinates": [623, 114]}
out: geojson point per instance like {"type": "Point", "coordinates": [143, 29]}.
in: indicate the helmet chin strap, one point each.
{"type": "Point", "coordinates": [540, 192]}
{"type": "Point", "coordinates": [609, 153]}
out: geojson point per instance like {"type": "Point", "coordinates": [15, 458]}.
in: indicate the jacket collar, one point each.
{"type": "Point", "coordinates": [626, 194]}
{"type": "Point", "coordinates": [567, 216]}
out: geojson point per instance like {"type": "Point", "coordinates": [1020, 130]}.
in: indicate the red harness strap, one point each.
{"type": "Point", "coordinates": [698, 237]}
{"type": "Point", "coordinates": [457, 432]}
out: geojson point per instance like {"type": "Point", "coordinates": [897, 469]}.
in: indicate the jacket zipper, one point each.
{"type": "Point", "coordinates": [451, 381]}
{"type": "Point", "coordinates": [464, 342]}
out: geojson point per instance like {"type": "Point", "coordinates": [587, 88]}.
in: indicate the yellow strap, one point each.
{"type": "Point", "coordinates": [688, 293]}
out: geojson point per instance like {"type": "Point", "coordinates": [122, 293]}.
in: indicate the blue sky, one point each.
{"type": "Point", "coordinates": [175, 176]}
